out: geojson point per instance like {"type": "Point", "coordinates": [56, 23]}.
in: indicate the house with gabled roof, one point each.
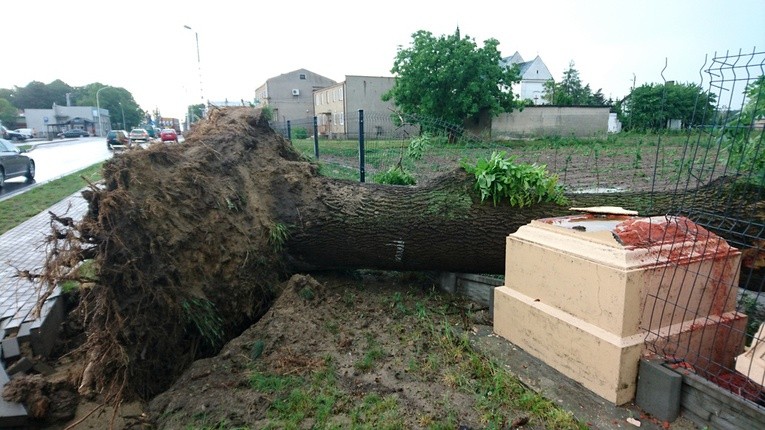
{"type": "Point", "coordinates": [290, 95]}
{"type": "Point", "coordinates": [534, 74]}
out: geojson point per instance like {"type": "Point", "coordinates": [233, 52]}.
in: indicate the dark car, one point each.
{"type": "Point", "coordinates": [13, 163]}
{"type": "Point", "coordinates": [11, 134]}
{"type": "Point", "coordinates": [168, 135]}
{"type": "Point", "coordinates": [74, 132]}
{"type": "Point", "coordinates": [117, 139]}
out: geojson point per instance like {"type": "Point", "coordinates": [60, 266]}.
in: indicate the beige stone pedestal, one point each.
{"type": "Point", "coordinates": [588, 294]}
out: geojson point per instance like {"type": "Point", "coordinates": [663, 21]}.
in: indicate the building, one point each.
{"type": "Point", "coordinates": [534, 74]}
{"type": "Point", "coordinates": [337, 106]}
{"type": "Point", "coordinates": [174, 123]}
{"type": "Point", "coordinates": [290, 95]}
{"type": "Point", "coordinates": [49, 122]}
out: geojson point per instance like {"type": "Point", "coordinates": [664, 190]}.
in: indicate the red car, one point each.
{"type": "Point", "coordinates": [168, 135]}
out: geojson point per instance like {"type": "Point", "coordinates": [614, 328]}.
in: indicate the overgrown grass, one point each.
{"type": "Point", "coordinates": [20, 208]}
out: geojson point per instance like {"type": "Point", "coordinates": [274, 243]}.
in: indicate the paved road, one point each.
{"type": "Point", "coordinates": [57, 158]}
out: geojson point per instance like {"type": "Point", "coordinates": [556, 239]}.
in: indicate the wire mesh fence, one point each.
{"type": "Point", "coordinates": [720, 188]}
{"type": "Point", "coordinates": [618, 163]}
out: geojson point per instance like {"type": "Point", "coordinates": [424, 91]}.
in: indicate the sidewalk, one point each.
{"type": "Point", "coordinates": [23, 249]}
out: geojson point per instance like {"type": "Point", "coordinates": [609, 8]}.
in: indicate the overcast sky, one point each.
{"type": "Point", "coordinates": [143, 46]}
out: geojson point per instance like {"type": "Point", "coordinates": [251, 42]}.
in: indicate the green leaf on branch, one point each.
{"type": "Point", "coordinates": [500, 177]}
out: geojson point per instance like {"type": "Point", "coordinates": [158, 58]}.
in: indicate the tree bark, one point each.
{"type": "Point", "coordinates": [444, 226]}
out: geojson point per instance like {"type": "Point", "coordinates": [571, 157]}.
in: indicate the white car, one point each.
{"type": "Point", "coordinates": [28, 132]}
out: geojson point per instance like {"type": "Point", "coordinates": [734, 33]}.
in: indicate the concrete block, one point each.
{"type": "Point", "coordinates": [44, 337]}
{"type": "Point", "coordinates": [22, 365]}
{"type": "Point", "coordinates": [12, 415]}
{"type": "Point", "coordinates": [584, 299]}
{"type": "Point", "coordinates": [658, 390]}
{"type": "Point", "coordinates": [448, 282]}
{"type": "Point", "coordinates": [601, 361]}
{"type": "Point", "coordinates": [752, 362]}
{"type": "Point", "coordinates": [11, 347]}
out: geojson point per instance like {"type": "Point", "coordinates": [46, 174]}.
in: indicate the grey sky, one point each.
{"type": "Point", "coordinates": [143, 46]}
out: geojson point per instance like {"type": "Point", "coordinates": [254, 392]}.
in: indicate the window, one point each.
{"type": "Point", "coordinates": [302, 76]}
{"type": "Point", "coordinates": [342, 118]}
{"type": "Point", "coordinates": [341, 93]}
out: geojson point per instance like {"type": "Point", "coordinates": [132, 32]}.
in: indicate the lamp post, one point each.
{"type": "Point", "coordinates": [199, 70]}
{"type": "Point", "coordinates": [124, 126]}
{"type": "Point", "coordinates": [98, 109]}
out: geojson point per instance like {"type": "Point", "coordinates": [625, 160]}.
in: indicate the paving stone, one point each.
{"type": "Point", "coordinates": [23, 248]}
{"type": "Point", "coordinates": [11, 414]}
{"type": "Point", "coordinates": [11, 347]}
{"type": "Point", "coordinates": [22, 365]}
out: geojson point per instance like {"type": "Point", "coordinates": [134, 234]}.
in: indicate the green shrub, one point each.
{"type": "Point", "coordinates": [417, 146]}
{"type": "Point", "coordinates": [522, 184]}
{"type": "Point", "coordinates": [394, 176]}
{"type": "Point", "coordinates": [299, 133]}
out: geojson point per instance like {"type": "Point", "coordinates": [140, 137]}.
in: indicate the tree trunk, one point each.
{"type": "Point", "coordinates": [442, 226]}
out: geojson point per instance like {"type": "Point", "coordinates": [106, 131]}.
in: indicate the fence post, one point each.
{"type": "Point", "coordinates": [315, 138]}
{"type": "Point", "coordinates": [289, 131]}
{"type": "Point", "coordinates": [361, 145]}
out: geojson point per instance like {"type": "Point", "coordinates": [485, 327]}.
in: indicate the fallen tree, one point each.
{"type": "Point", "coordinates": [188, 242]}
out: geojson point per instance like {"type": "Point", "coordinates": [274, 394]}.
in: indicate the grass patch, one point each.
{"type": "Point", "coordinates": [20, 208]}
{"type": "Point", "coordinates": [371, 356]}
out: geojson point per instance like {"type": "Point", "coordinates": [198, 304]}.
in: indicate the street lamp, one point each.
{"type": "Point", "coordinates": [98, 109]}
{"type": "Point", "coordinates": [199, 69]}
{"type": "Point", "coordinates": [124, 126]}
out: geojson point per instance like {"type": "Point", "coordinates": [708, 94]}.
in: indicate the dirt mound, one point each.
{"type": "Point", "coordinates": [344, 341]}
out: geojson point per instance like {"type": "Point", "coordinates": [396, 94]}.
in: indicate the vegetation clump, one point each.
{"type": "Point", "coordinates": [500, 177]}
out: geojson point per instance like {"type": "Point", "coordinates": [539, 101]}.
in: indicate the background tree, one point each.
{"type": "Point", "coordinates": [114, 99]}
{"type": "Point", "coordinates": [8, 112]}
{"type": "Point", "coordinates": [197, 112]}
{"type": "Point", "coordinates": [651, 106]}
{"type": "Point", "coordinates": [570, 92]}
{"type": "Point", "coordinates": [7, 94]}
{"type": "Point", "coordinates": [743, 139]}
{"type": "Point", "coordinates": [37, 95]}
{"type": "Point", "coordinates": [451, 78]}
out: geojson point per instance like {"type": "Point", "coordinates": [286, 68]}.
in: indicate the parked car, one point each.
{"type": "Point", "coordinates": [168, 135]}
{"type": "Point", "coordinates": [13, 163]}
{"type": "Point", "coordinates": [139, 134]}
{"type": "Point", "coordinates": [117, 139]}
{"type": "Point", "coordinates": [28, 132]}
{"type": "Point", "coordinates": [74, 132]}
{"type": "Point", "coordinates": [11, 134]}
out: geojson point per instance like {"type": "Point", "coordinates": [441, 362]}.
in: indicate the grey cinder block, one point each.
{"type": "Point", "coordinates": [658, 390]}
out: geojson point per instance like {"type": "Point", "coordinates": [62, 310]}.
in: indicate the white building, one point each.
{"type": "Point", "coordinates": [49, 122]}
{"type": "Point", "coordinates": [534, 74]}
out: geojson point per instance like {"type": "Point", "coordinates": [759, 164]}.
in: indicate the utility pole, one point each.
{"type": "Point", "coordinates": [199, 70]}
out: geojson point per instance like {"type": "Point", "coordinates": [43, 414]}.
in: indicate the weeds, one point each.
{"type": "Point", "coordinates": [438, 355]}
{"type": "Point", "coordinates": [374, 352]}
{"type": "Point", "coordinates": [202, 315]}
{"type": "Point", "coordinates": [755, 312]}
{"type": "Point", "coordinates": [277, 236]}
